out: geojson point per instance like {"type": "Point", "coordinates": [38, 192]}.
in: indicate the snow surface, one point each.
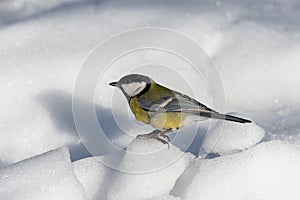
{"type": "Point", "coordinates": [156, 168]}
{"type": "Point", "coordinates": [147, 169]}
{"type": "Point", "coordinates": [255, 46]}
{"type": "Point", "coordinates": [93, 175]}
{"type": "Point", "coordinates": [48, 176]}
{"type": "Point", "coordinates": [268, 171]}
{"type": "Point", "coordinates": [228, 137]}
{"type": "Point", "coordinates": [166, 197]}
{"type": "Point", "coordinates": [41, 56]}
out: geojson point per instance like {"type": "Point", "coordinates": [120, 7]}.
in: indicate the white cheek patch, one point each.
{"type": "Point", "coordinates": [133, 89]}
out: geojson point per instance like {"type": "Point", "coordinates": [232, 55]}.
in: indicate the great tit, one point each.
{"type": "Point", "coordinates": [164, 109]}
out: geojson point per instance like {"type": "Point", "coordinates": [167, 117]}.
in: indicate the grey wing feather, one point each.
{"type": "Point", "coordinates": [187, 104]}
{"type": "Point", "coordinates": [149, 105]}
{"type": "Point", "coordinates": [177, 103]}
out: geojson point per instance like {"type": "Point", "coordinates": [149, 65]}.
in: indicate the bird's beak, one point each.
{"type": "Point", "coordinates": [113, 84]}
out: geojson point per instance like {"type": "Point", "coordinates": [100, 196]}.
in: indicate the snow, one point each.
{"type": "Point", "coordinates": [166, 197]}
{"type": "Point", "coordinates": [229, 137]}
{"type": "Point", "coordinates": [255, 46]}
{"type": "Point", "coordinates": [147, 163]}
{"type": "Point", "coordinates": [91, 174]}
{"type": "Point", "coordinates": [13, 10]}
{"type": "Point", "coordinates": [40, 61]}
{"type": "Point", "coordinates": [268, 171]}
{"type": "Point", "coordinates": [152, 165]}
{"type": "Point", "coordinates": [47, 176]}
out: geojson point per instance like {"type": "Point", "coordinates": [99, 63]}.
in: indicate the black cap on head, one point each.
{"type": "Point", "coordinates": [131, 78]}
{"type": "Point", "coordinates": [143, 84]}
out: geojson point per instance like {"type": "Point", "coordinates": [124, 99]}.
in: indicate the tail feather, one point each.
{"type": "Point", "coordinates": [224, 117]}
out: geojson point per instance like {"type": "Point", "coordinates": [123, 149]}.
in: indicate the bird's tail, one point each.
{"type": "Point", "coordinates": [216, 115]}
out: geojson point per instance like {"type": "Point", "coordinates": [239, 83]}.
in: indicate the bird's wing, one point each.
{"type": "Point", "coordinates": [184, 103]}
{"type": "Point", "coordinates": [175, 103]}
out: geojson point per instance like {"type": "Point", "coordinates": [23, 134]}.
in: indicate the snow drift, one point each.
{"type": "Point", "coordinates": [268, 171]}
{"type": "Point", "coordinates": [48, 176]}
{"type": "Point", "coordinates": [140, 175]}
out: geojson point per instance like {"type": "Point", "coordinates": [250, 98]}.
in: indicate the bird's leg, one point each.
{"type": "Point", "coordinates": [153, 134]}
{"type": "Point", "coordinates": [165, 137]}
{"type": "Point", "coordinates": [156, 134]}
{"type": "Point", "coordinates": [162, 140]}
{"type": "Point", "coordinates": [164, 134]}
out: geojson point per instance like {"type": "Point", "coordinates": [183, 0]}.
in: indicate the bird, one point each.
{"type": "Point", "coordinates": [166, 110]}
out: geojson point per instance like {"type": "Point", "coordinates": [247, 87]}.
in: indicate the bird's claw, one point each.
{"type": "Point", "coordinates": [163, 141]}
{"type": "Point", "coordinates": [156, 134]}
{"type": "Point", "coordinates": [165, 137]}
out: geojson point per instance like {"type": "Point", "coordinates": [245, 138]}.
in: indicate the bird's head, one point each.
{"type": "Point", "coordinates": [133, 84]}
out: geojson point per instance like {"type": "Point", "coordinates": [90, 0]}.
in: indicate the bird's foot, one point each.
{"type": "Point", "coordinates": [163, 135]}
{"type": "Point", "coordinates": [158, 135]}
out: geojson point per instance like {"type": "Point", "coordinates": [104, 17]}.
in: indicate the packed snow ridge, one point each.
{"type": "Point", "coordinates": [149, 169]}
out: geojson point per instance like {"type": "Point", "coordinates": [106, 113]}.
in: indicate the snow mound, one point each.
{"type": "Point", "coordinates": [148, 169]}
{"type": "Point", "coordinates": [92, 175]}
{"type": "Point", "coordinates": [47, 176]}
{"type": "Point", "coordinates": [267, 171]}
{"type": "Point", "coordinates": [229, 137]}
{"type": "Point", "coordinates": [165, 197]}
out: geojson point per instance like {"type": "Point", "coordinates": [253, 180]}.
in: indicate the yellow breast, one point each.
{"type": "Point", "coordinates": [170, 120]}
{"type": "Point", "coordinates": [139, 113]}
